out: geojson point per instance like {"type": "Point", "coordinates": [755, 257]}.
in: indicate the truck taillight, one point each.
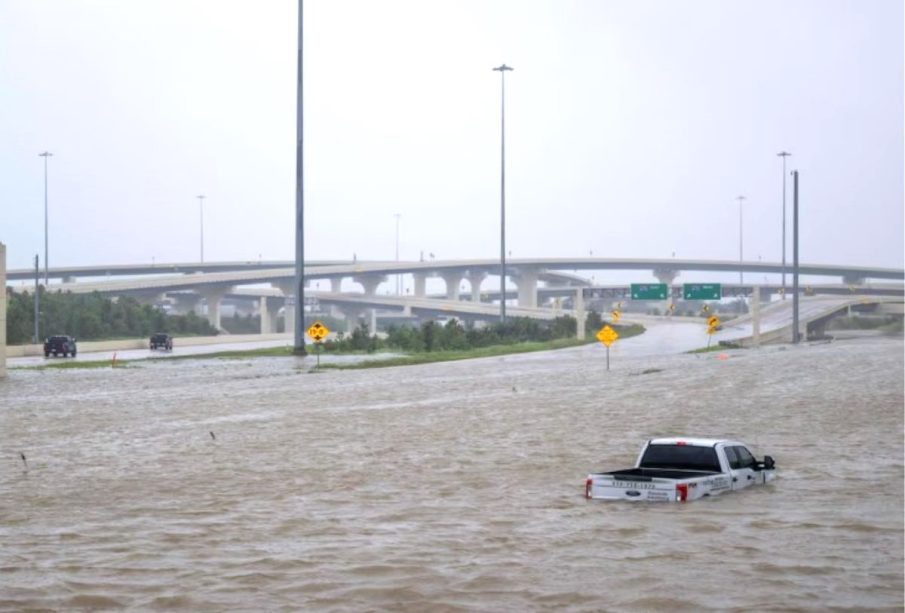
{"type": "Point", "coordinates": [587, 487]}
{"type": "Point", "coordinates": [681, 492]}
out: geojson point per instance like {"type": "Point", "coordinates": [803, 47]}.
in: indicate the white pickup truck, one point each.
{"type": "Point", "coordinates": [680, 469]}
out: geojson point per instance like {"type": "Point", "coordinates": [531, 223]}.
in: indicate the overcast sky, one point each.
{"type": "Point", "coordinates": [631, 128]}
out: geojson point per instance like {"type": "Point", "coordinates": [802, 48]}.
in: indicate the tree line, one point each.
{"type": "Point", "coordinates": [454, 335]}
{"type": "Point", "coordinates": [92, 317]}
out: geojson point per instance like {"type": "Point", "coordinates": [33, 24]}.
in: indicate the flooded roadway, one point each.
{"type": "Point", "coordinates": [448, 487]}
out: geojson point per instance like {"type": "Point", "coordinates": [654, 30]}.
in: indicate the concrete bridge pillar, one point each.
{"type": "Point", "coordinates": [288, 290]}
{"type": "Point", "coordinates": [526, 281]}
{"type": "Point", "coordinates": [370, 283]}
{"type": "Point", "coordinates": [853, 279]}
{"type": "Point", "coordinates": [186, 303]}
{"type": "Point", "coordinates": [352, 315]}
{"type": "Point", "coordinates": [452, 279]}
{"type": "Point", "coordinates": [336, 284]}
{"type": "Point", "coordinates": [666, 275]}
{"type": "Point", "coordinates": [579, 312]}
{"type": "Point", "coordinates": [213, 296]}
{"type": "Point", "coordinates": [475, 278]}
{"type": "Point", "coordinates": [269, 309]}
{"type": "Point", "coordinates": [420, 284]}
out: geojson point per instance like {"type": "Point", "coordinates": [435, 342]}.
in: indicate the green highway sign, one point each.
{"type": "Point", "coordinates": [649, 291]}
{"type": "Point", "coordinates": [703, 291]}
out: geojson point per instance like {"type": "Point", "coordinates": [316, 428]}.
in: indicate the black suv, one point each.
{"type": "Point", "coordinates": [162, 341]}
{"type": "Point", "coordinates": [60, 345]}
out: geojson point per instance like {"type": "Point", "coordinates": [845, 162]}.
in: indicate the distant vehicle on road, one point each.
{"type": "Point", "coordinates": [680, 469]}
{"type": "Point", "coordinates": [60, 345]}
{"type": "Point", "coordinates": [161, 341]}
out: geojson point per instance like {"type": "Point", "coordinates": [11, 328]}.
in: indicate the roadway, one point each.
{"type": "Point", "coordinates": [143, 354]}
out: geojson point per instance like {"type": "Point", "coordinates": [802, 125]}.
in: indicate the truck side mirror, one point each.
{"type": "Point", "coordinates": [768, 462]}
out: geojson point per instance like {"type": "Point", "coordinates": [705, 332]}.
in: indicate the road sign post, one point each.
{"type": "Point", "coordinates": [607, 336]}
{"type": "Point", "coordinates": [713, 324]}
{"type": "Point", "coordinates": [318, 332]}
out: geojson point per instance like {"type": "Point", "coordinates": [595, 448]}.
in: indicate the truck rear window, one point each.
{"type": "Point", "coordinates": [682, 457]}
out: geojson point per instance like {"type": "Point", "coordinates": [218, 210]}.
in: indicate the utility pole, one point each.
{"type": "Point", "coordinates": [783, 155]}
{"type": "Point", "coordinates": [741, 275]}
{"type": "Point", "coordinates": [37, 299]}
{"type": "Point", "coordinates": [299, 341]}
{"type": "Point", "coordinates": [398, 276]}
{"type": "Point", "coordinates": [502, 69]}
{"type": "Point", "coordinates": [45, 155]}
{"type": "Point", "coordinates": [201, 213]}
{"type": "Point", "coordinates": [795, 334]}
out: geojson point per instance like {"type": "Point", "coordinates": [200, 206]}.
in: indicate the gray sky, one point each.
{"type": "Point", "coordinates": [631, 128]}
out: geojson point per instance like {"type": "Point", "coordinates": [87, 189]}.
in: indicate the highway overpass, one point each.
{"type": "Point", "coordinates": [214, 281]}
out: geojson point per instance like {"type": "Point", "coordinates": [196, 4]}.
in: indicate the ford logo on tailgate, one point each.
{"type": "Point", "coordinates": [632, 493]}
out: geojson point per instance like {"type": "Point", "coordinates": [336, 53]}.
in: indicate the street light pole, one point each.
{"type": "Point", "coordinates": [299, 334]}
{"type": "Point", "coordinates": [795, 334]}
{"type": "Point", "coordinates": [398, 276]}
{"type": "Point", "coordinates": [201, 212]}
{"type": "Point", "coordinates": [783, 155]}
{"type": "Point", "coordinates": [502, 68]}
{"type": "Point", "coordinates": [741, 275]}
{"type": "Point", "coordinates": [37, 300]}
{"type": "Point", "coordinates": [45, 155]}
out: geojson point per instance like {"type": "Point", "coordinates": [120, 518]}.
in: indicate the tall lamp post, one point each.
{"type": "Point", "coordinates": [398, 276]}
{"type": "Point", "coordinates": [795, 333]}
{"type": "Point", "coordinates": [45, 155]}
{"type": "Point", "coordinates": [299, 336]}
{"type": "Point", "coordinates": [502, 69]}
{"type": "Point", "coordinates": [783, 155]}
{"type": "Point", "coordinates": [201, 213]}
{"type": "Point", "coordinates": [741, 275]}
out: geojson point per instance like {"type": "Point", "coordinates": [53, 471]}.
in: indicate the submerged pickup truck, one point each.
{"type": "Point", "coordinates": [680, 469]}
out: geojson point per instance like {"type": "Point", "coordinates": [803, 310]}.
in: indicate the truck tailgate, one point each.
{"type": "Point", "coordinates": [610, 487]}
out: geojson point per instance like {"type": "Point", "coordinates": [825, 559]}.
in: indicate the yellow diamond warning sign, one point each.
{"type": "Point", "coordinates": [607, 335]}
{"type": "Point", "coordinates": [318, 331]}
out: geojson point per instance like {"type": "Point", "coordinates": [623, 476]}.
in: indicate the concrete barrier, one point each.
{"type": "Point", "coordinates": [19, 351]}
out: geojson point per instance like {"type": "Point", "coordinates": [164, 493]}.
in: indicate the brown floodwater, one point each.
{"type": "Point", "coordinates": [254, 485]}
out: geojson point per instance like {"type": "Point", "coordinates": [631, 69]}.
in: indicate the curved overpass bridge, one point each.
{"type": "Point", "coordinates": [214, 281]}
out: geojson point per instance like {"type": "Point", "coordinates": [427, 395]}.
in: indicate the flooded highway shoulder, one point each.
{"type": "Point", "coordinates": [255, 484]}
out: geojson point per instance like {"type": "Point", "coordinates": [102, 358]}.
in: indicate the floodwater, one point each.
{"type": "Point", "coordinates": [258, 485]}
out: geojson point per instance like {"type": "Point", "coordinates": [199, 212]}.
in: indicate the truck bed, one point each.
{"type": "Point", "coordinates": [646, 474]}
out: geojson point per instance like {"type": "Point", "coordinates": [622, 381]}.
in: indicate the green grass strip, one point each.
{"type": "Point", "coordinates": [448, 356]}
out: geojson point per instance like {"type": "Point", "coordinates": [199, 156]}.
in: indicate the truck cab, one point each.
{"type": "Point", "coordinates": [161, 340]}
{"type": "Point", "coordinates": [60, 344]}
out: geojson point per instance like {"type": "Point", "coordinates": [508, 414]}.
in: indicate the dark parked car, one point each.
{"type": "Point", "coordinates": [162, 341]}
{"type": "Point", "coordinates": [60, 345]}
